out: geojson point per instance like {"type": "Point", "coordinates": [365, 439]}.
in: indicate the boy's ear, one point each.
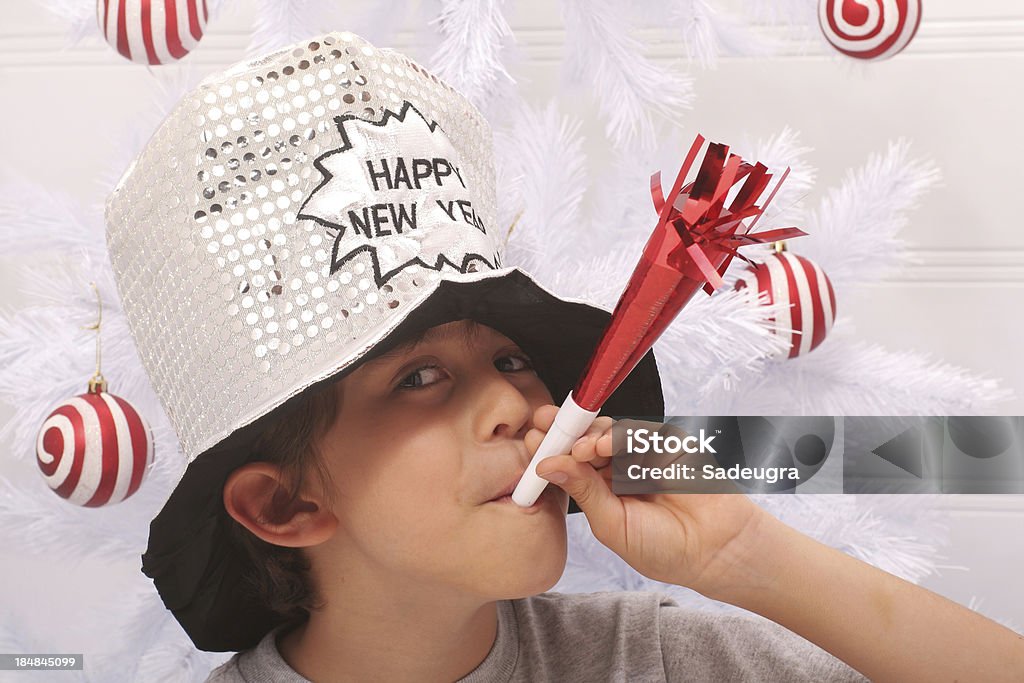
{"type": "Point", "coordinates": [256, 496]}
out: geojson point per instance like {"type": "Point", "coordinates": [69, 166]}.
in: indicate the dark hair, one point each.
{"type": "Point", "coordinates": [278, 577]}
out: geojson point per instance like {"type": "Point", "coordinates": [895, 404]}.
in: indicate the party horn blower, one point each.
{"type": "Point", "coordinates": [691, 247]}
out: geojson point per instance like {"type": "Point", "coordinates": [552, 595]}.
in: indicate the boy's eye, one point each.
{"type": "Point", "coordinates": [430, 374]}
{"type": "Point", "coordinates": [522, 363]}
{"type": "Point", "coordinates": [420, 377]}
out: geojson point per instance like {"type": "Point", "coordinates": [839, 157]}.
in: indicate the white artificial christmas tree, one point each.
{"type": "Point", "coordinates": [716, 358]}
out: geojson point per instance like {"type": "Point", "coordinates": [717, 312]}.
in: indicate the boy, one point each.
{"type": "Point", "coordinates": [414, 546]}
{"type": "Point", "coordinates": [308, 259]}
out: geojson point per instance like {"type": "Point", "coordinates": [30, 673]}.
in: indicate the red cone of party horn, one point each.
{"type": "Point", "coordinates": [691, 247]}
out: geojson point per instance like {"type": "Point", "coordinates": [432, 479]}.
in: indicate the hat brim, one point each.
{"type": "Point", "coordinates": [190, 557]}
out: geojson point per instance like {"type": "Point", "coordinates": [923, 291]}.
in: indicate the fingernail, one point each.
{"type": "Point", "coordinates": [555, 477]}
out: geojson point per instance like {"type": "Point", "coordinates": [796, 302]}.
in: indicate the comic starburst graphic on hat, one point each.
{"type": "Point", "coordinates": [387, 189]}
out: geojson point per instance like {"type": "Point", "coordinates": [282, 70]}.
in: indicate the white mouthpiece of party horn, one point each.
{"type": "Point", "coordinates": [570, 423]}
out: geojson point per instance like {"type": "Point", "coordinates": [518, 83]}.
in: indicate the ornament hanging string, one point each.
{"type": "Point", "coordinates": [97, 383]}
{"type": "Point", "coordinates": [508, 233]}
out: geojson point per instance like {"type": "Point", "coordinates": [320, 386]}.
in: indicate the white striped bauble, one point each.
{"type": "Point", "coordinates": [799, 282]}
{"type": "Point", "coordinates": [869, 29]}
{"type": "Point", "coordinates": [152, 31]}
{"type": "Point", "coordinates": [94, 449]}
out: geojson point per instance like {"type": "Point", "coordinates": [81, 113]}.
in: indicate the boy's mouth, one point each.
{"type": "Point", "coordinates": [507, 489]}
{"type": "Point", "coordinates": [503, 495]}
{"type": "Point", "coordinates": [547, 494]}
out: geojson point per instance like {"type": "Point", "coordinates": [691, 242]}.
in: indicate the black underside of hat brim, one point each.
{"type": "Point", "coordinates": [190, 557]}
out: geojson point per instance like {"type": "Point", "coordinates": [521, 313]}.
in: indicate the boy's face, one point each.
{"type": "Point", "coordinates": [423, 441]}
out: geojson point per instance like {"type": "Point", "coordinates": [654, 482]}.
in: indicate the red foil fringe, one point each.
{"type": "Point", "coordinates": [691, 247]}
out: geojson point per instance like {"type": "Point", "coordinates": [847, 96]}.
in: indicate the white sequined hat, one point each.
{"type": "Point", "coordinates": [292, 216]}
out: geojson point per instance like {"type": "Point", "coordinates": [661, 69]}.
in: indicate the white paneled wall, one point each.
{"type": "Point", "coordinates": [955, 93]}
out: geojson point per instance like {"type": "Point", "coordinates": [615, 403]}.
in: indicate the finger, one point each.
{"type": "Point", "coordinates": [533, 439]}
{"type": "Point", "coordinates": [603, 451]}
{"type": "Point", "coordinates": [583, 450]}
{"type": "Point", "coordinates": [592, 493]}
{"type": "Point", "coordinates": [599, 426]}
{"type": "Point", "coordinates": [544, 416]}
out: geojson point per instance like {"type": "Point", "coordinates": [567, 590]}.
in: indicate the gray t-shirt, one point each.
{"type": "Point", "coordinates": [609, 636]}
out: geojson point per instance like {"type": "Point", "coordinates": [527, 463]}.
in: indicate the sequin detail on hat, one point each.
{"type": "Point", "coordinates": [246, 272]}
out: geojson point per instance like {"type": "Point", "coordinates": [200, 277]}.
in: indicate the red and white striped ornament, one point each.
{"type": "Point", "coordinates": [94, 449]}
{"type": "Point", "coordinates": [790, 279]}
{"type": "Point", "coordinates": [869, 29]}
{"type": "Point", "coordinates": [152, 31]}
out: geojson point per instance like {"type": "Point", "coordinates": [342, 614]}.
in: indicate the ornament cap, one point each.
{"type": "Point", "coordinates": [97, 384]}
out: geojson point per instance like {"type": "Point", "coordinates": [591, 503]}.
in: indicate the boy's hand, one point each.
{"type": "Point", "coordinates": [693, 539]}
{"type": "Point", "coordinates": [731, 550]}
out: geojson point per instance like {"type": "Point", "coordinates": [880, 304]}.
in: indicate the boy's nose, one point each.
{"type": "Point", "coordinates": [504, 412]}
